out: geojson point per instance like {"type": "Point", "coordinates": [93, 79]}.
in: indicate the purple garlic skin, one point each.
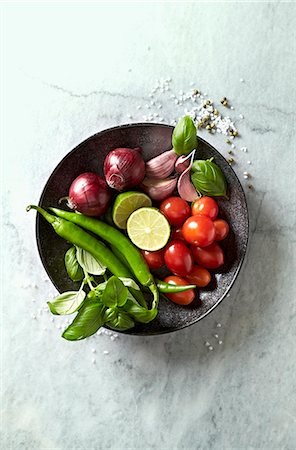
{"type": "Point", "coordinates": [162, 165]}
{"type": "Point", "coordinates": [182, 163]}
{"type": "Point", "coordinates": [159, 189]}
{"type": "Point", "coordinates": [186, 189]}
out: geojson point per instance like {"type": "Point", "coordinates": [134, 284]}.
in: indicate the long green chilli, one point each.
{"type": "Point", "coordinates": [118, 240]}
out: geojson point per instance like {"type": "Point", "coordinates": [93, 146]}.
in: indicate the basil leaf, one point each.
{"type": "Point", "coordinates": [126, 281]}
{"type": "Point", "coordinates": [73, 268]}
{"type": "Point", "coordinates": [118, 320]}
{"type": "Point", "coordinates": [115, 293]}
{"type": "Point", "coordinates": [88, 320]}
{"type": "Point", "coordinates": [89, 263]}
{"type": "Point", "coordinates": [138, 313]}
{"type": "Point", "coordinates": [184, 138]}
{"type": "Point", "coordinates": [129, 282]}
{"type": "Point", "coordinates": [67, 303]}
{"type": "Point", "coordinates": [208, 178]}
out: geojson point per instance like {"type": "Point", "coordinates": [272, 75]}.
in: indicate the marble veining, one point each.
{"type": "Point", "coordinates": [70, 72]}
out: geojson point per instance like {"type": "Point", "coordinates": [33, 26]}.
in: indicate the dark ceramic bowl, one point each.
{"type": "Point", "coordinates": [154, 139]}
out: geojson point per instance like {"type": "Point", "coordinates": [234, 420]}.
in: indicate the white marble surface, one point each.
{"type": "Point", "coordinates": [70, 71]}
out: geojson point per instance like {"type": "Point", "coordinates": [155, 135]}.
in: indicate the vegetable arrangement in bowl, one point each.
{"type": "Point", "coordinates": [146, 239]}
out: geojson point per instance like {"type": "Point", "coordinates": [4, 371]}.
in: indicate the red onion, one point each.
{"type": "Point", "coordinates": [89, 194]}
{"type": "Point", "coordinates": [124, 168]}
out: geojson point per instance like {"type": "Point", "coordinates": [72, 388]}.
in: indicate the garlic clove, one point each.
{"type": "Point", "coordinates": [186, 189]}
{"type": "Point", "coordinates": [159, 189]}
{"type": "Point", "coordinates": [181, 164]}
{"type": "Point", "coordinates": [162, 165]}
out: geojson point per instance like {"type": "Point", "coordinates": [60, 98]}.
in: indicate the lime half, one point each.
{"type": "Point", "coordinates": [125, 204]}
{"type": "Point", "coordinates": [148, 229]}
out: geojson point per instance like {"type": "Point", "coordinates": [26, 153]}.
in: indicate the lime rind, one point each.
{"type": "Point", "coordinates": [125, 204]}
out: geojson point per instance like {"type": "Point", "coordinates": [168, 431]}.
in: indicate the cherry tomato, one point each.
{"type": "Point", "coordinates": [221, 229]}
{"type": "Point", "coordinates": [176, 210]}
{"type": "Point", "coordinates": [199, 276]}
{"type": "Point", "coordinates": [210, 257]}
{"type": "Point", "coordinates": [178, 258]}
{"type": "Point", "coordinates": [182, 298]}
{"type": "Point", "coordinates": [199, 230]}
{"type": "Point", "coordinates": [155, 260]}
{"type": "Point", "coordinates": [206, 206]}
{"type": "Point", "coordinates": [177, 234]}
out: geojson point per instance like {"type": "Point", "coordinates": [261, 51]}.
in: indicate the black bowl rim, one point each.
{"type": "Point", "coordinates": [145, 124]}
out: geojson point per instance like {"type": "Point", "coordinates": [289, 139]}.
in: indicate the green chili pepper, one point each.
{"type": "Point", "coordinates": [168, 288]}
{"type": "Point", "coordinates": [118, 240]}
{"type": "Point", "coordinates": [162, 286]}
{"type": "Point", "coordinates": [79, 237]}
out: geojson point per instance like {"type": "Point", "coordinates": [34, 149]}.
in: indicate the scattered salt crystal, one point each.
{"type": "Point", "coordinates": [176, 102]}
{"type": "Point", "coordinates": [159, 106]}
{"type": "Point", "coordinates": [106, 352]}
{"type": "Point", "coordinates": [160, 119]}
{"type": "Point", "coordinates": [248, 162]}
{"type": "Point", "coordinates": [33, 300]}
{"type": "Point", "coordinates": [220, 342]}
{"type": "Point", "coordinates": [246, 177]}
{"type": "Point", "coordinates": [232, 146]}
{"type": "Point", "coordinates": [33, 316]}
{"type": "Point", "coordinates": [231, 107]}
{"type": "Point", "coordinates": [211, 348]}
{"type": "Point", "coordinates": [241, 116]}
{"type": "Point", "coordinates": [51, 319]}
{"type": "Point", "coordinates": [244, 149]}
{"type": "Point", "coordinates": [93, 350]}
{"type": "Point", "coordinates": [219, 325]}
{"type": "Point", "coordinates": [93, 361]}
{"type": "Point", "coordinates": [139, 107]}
{"type": "Point", "coordinates": [192, 83]}
{"type": "Point", "coordinates": [129, 116]}
{"type": "Point", "coordinates": [207, 344]}
{"type": "Point", "coordinates": [216, 336]}
{"type": "Point", "coordinates": [241, 80]}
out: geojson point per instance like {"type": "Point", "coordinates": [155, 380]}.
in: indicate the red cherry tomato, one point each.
{"type": "Point", "coordinates": [178, 258]}
{"type": "Point", "coordinates": [199, 276]}
{"type": "Point", "coordinates": [182, 298]}
{"type": "Point", "coordinates": [155, 260]}
{"type": "Point", "coordinates": [199, 230]}
{"type": "Point", "coordinates": [205, 206]}
{"type": "Point", "coordinates": [221, 229]}
{"type": "Point", "coordinates": [210, 257]}
{"type": "Point", "coordinates": [176, 210]}
{"type": "Point", "coordinates": [177, 234]}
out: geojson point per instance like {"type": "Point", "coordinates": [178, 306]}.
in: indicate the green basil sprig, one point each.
{"type": "Point", "coordinates": [67, 302]}
{"type": "Point", "coordinates": [89, 263]}
{"type": "Point", "coordinates": [118, 319]}
{"type": "Point", "coordinates": [87, 322]}
{"type": "Point", "coordinates": [184, 138]}
{"type": "Point", "coordinates": [208, 178]}
{"type": "Point", "coordinates": [74, 270]}
{"type": "Point", "coordinates": [115, 293]}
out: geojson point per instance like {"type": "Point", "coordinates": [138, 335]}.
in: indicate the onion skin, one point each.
{"type": "Point", "coordinates": [124, 168]}
{"type": "Point", "coordinates": [89, 194]}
